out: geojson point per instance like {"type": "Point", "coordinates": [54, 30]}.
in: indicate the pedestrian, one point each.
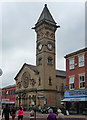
{"type": "Point", "coordinates": [13, 112]}
{"type": "Point", "coordinates": [39, 108]}
{"type": "Point", "coordinates": [6, 112]}
{"type": "Point", "coordinates": [32, 113]}
{"type": "Point", "coordinates": [20, 113]}
{"type": "Point", "coordinates": [60, 115]}
{"type": "Point", "coordinates": [51, 115]}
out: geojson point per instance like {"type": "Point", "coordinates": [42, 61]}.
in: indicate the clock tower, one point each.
{"type": "Point", "coordinates": [41, 85]}
{"type": "Point", "coordinates": [45, 50]}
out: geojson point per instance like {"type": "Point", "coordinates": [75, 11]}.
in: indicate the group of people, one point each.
{"type": "Point", "coordinates": [12, 112]}
{"type": "Point", "coordinates": [19, 113]}
{"type": "Point", "coordinates": [52, 116]}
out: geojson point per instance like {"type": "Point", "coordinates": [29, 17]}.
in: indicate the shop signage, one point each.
{"type": "Point", "coordinates": [5, 100]}
{"type": "Point", "coordinates": [40, 94]}
{"type": "Point", "coordinates": [76, 93]}
{"type": "Point", "coordinates": [74, 99]}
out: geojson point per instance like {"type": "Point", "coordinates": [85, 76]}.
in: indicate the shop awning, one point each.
{"type": "Point", "coordinates": [74, 99]}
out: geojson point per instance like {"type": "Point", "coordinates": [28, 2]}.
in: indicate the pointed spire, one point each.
{"type": "Point", "coordinates": [46, 15]}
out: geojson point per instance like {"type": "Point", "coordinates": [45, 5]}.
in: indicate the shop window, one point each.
{"type": "Point", "coordinates": [50, 60]}
{"type": "Point", "coordinates": [81, 61]}
{"type": "Point", "coordinates": [50, 81]}
{"type": "Point", "coordinates": [82, 81]}
{"type": "Point", "coordinates": [71, 83]}
{"type": "Point", "coordinates": [71, 63]}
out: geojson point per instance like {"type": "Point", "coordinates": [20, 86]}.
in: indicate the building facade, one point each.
{"type": "Point", "coordinates": [76, 82]}
{"type": "Point", "coordinates": [41, 84]}
{"type": "Point", "coordinates": [8, 95]}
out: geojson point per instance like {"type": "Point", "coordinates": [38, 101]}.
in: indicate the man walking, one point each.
{"type": "Point", "coordinates": [6, 112]}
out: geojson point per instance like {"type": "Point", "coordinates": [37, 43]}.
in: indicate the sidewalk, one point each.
{"type": "Point", "coordinates": [40, 116]}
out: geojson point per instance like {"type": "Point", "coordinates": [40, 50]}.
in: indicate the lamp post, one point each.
{"type": "Point", "coordinates": [35, 106]}
{"type": "Point", "coordinates": [19, 100]}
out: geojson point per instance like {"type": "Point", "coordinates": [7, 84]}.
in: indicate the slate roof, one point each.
{"type": "Point", "coordinates": [76, 52]}
{"type": "Point", "coordinates": [60, 73]}
{"type": "Point", "coordinates": [33, 67]}
{"type": "Point", "coordinates": [10, 86]}
{"type": "Point", "coordinates": [46, 15]}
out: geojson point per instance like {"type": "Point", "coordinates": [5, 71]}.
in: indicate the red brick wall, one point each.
{"type": "Point", "coordinates": [86, 69]}
{"type": "Point", "coordinates": [76, 71]}
{"type": "Point", "coordinates": [11, 96]}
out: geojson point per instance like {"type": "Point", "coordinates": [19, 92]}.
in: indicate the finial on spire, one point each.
{"type": "Point", "coordinates": [45, 5]}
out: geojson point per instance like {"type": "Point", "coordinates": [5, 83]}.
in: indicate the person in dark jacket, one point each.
{"type": "Point", "coordinates": [13, 112]}
{"type": "Point", "coordinates": [51, 115]}
{"type": "Point", "coordinates": [6, 112]}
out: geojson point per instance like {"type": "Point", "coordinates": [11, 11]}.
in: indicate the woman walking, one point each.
{"type": "Point", "coordinates": [20, 113]}
{"type": "Point", "coordinates": [13, 113]}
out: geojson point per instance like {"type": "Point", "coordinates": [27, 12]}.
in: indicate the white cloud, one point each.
{"type": "Point", "coordinates": [19, 40]}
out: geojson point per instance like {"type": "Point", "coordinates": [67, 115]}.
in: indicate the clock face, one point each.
{"type": "Point", "coordinates": [39, 46]}
{"type": "Point", "coordinates": [49, 46]}
{"type": "Point", "coordinates": [25, 79]}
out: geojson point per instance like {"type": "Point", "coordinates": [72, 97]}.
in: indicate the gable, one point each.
{"type": "Point", "coordinates": [27, 66]}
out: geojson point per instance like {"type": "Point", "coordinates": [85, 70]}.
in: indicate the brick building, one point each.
{"type": "Point", "coordinates": [8, 95]}
{"type": "Point", "coordinates": [76, 82]}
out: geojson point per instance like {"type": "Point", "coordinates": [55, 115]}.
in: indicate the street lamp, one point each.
{"type": "Point", "coordinates": [35, 105]}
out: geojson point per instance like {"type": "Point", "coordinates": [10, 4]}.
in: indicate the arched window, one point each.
{"type": "Point", "coordinates": [50, 60]}
{"type": "Point", "coordinates": [50, 81]}
{"type": "Point", "coordinates": [39, 81]}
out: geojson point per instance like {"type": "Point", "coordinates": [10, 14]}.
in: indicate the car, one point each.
{"type": "Point", "coordinates": [46, 109]}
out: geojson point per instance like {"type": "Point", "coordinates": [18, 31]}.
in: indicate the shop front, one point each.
{"type": "Point", "coordinates": [76, 101]}
{"type": "Point", "coordinates": [7, 101]}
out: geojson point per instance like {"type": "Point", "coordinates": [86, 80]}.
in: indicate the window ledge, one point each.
{"type": "Point", "coordinates": [81, 66]}
{"type": "Point", "coordinates": [71, 89]}
{"type": "Point", "coordinates": [82, 88]}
